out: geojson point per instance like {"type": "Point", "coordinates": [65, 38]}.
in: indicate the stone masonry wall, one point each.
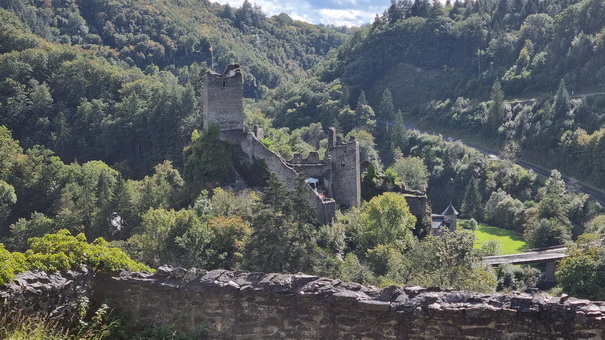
{"type": "Point", "coordinates": [242, 305]}
{"type": "Point", "coordinates": [285, 306]}
{"type": "Point", "coordinates": [223, 102]}
{"type": "Point", "coordinates": [346, 174]}
{"type": "Point", "coordinates": [251, 146]}
{"type": "Point", "coordinates": [58, 296]}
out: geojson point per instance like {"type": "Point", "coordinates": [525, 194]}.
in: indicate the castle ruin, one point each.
{"type": "Point", "coordinates": [334, 179]}
{"type": "Point", "coordinates": [338, 174]}
{"type": "Point", "coordinates": [223, 102]}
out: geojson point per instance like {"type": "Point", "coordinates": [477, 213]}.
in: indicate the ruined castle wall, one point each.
{"type": "Point", "coordinates": [325, 208]}
{"type": "Point", "coordinates": [242, 305]}
{"type": "Point", "coordinates": [251, 146]}
{"type": "Point", "coordinates": [417, 204]}
{"type": "Point", "coordinates": [312, 170]}
{"type": "Point", "coordinates": [275, 164]}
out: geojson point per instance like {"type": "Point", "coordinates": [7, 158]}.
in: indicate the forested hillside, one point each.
{"type": "Point", "coordinates": [525, 75]}
{"type": "Point", "coordinates": [98, 79]}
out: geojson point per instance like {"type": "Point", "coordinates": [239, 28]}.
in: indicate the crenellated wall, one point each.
{"type": "Point", "coordinates": [242, 305]}
{"type": "Point", "coordinates": [339, 172]}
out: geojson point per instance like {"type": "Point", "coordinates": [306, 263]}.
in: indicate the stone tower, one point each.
{"type": "Point", "coordinates": [346, 170]}
{"type": "Point", "coordinates": [450, 217]}
{"type": "Point", "coordinates": [223, 98]}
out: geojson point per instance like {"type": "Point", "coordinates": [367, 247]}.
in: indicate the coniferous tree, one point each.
{"type": "Point", "coordinates": [397, 135]}
{"type": "Point", "coordinates": [393, 12]}
{"type": "Point", "coordinates": [496, 109]}
{"type": "Point", "coordinates": [561, 109]}
{"type": "Point", "coordinates": [472, 203]}
{"type": "Point", "coordinates": [420, 8]}
{"type": "Point", "coordinates": [284, 237]}
{"type": "Point", "coordinates": [364, 114]}
{"type": "Point", "coordinates": [386, 109]}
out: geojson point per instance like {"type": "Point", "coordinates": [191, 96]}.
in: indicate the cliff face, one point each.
{"type": "Point", "coordinates": [241, 305]}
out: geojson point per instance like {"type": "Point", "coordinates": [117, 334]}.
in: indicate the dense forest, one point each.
{"type": "Point", "coordinates": [95, 79]}
{"type": "Point", "coordinates": [100, 116]}
{"type": "Point", "coordinates": [526, 76]}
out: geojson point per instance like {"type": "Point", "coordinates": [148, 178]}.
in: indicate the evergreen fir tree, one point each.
{"type": "Point", "coordinates": [472, 203]}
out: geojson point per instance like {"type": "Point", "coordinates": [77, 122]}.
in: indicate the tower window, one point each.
{"type": "Point", "coordinates": [224, 84]}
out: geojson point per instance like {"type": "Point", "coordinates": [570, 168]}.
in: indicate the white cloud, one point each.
{"type": "Point", "coordinates": [345, 17]}
{"type": "Point", "coordinates": [335, 12]}
{"type": "Point", "coordinates": [272, 7]}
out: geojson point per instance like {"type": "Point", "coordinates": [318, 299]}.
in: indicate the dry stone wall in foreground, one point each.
{"type": "Point", "coordinates": [242, 305]}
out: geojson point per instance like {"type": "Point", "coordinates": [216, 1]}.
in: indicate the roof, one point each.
{"type": "Point", "coordinates": [311, 180]}
{"type": "Point", "coordinates": [437, 221]}
{"type": "Point", "coordinates": [450, 211]}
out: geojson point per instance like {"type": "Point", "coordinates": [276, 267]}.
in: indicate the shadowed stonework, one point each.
{"type": "Point", "coordinates": [241, 305]}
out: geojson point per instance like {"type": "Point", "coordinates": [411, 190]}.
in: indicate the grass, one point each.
{"type": "Point", "coordinates": [512, 242]}
{"type": "Point", "coordinates": [20, 327]}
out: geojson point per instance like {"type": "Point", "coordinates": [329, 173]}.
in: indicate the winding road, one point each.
{"type": "Point", "coordinates": [594, 193]}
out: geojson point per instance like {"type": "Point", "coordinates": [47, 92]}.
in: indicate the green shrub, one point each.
{"type": "Point", "coordinates": [471, 225]}
{"type": "Point", "coordinates": [62, 251]}
{"type": "Point", "coordinates": [491, 247]}
{"type": "Point", "coordinates": [10, 264]}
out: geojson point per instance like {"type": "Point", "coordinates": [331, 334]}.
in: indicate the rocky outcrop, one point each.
{"type": "Point", "coordinates": [242, 305]}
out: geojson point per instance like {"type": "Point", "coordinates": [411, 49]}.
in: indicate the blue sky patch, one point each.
{"type": "Point", "coordinates": [331, 12]}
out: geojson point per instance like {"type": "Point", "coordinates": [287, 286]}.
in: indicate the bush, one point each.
{"type": "Point", "coordinates": [582, 273]}
{"type": "Point", "coordinates": [491, 247]}
{"type": "Point", "coordinates": [10, 264]}
{"type": "Point", "coordinates": [207, 159]}
{"type": "Point", "coordinates": [547, 233]}
{"type": "Point", "coordinates": [62, 251]}
{"type": "Point", "coordinates": [471, 225]}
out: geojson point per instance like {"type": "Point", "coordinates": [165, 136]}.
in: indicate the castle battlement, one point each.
{"type": "Point", "coordinates": [313, 158]}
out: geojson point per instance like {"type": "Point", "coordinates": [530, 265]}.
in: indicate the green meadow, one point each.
{"type": "Point", "coordinates": [512, 242]}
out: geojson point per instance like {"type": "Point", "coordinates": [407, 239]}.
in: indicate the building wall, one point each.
{"type": "Point", "coordinates": [325, 209]}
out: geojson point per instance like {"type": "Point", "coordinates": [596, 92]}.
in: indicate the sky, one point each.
{"type": "Point", "coordinates": [335, 12]}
